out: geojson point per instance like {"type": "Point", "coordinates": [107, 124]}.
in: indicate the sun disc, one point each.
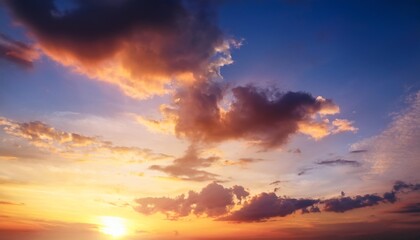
{"type": "Point", "coordinates": [113, 226]}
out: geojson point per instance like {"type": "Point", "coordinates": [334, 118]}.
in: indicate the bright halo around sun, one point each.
{"type": "Point", "coordinates": [114, 226]}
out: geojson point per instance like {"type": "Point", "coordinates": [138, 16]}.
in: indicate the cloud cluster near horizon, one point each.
{"type": "Point", "coordinates": [218, 202]}
{"type": "Point", "coordinates": [213, 200]}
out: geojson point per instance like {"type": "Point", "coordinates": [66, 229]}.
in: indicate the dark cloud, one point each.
{"type": "Point", "coordinates": [358, 151]}
{"type": "Point", "coordinates": [304, 171]}
{"type": "Point", "coordinates": [267, 205]}
{"type": "Point", "coordinates": [401, 186]}
{"type": "Point", "coordinates": [390, 197]}
{"type": "Point", "coordinates": [17, 52]}
{"type": "Point", "coordinates": [410, 208]}
{"type": "Point", "coordinates": [275, 182]}
{"type": "Point", "coordinates": [139, 45]}
{"type": "Point", "coordinates": [217, 201]}
{"type": "Point", "coordinates": [312, 209]}
{"type": "Point", "coordinates": [344, 204]}
{"type": "Point", "coordinates": [338, 162]}
{"type": "Point", "coordinates": [266, 117]}
{"type": "Point", "coordinates": [213, 200]}
{"type": "Point", "coordinates": [188, 166]}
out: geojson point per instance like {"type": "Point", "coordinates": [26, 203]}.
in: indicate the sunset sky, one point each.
{"type": "Point", "coordinates": [136, 119]}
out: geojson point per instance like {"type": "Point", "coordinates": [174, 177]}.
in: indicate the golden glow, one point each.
{"type": "Point", "coordinates": [113, 226]}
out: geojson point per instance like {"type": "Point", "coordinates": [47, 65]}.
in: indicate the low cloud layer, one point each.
{"type": "Point", "coordinates": [218, 202]}
{"type": "Point", "coordinates": [146, 46]}
{"type": "Point", "coordinates": [17, 52]}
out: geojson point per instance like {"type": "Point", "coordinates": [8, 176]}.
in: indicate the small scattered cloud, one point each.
{"type": "Point", "coordinates": [339, 162]}
{"type": "Point", "coordinates": [242, 162]}
{"type": "Point", "coordinates": [188, 167]}
{"type": "Point", "coordinates": [304, 171]}
{"type": "Point", "coordinates": [276, 182]}
{"type": "Point", "coordinates": [358, 151]}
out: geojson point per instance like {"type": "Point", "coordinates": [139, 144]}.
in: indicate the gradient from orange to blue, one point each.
{"type": "Point", "coordinates": [209, 119]}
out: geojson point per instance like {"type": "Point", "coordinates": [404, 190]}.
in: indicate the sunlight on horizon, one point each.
{"type": "Point", "coordinates": [114, 226]}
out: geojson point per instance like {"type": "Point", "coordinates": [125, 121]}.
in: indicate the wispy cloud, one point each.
{"type": "Point", "coordinates": [73, 145]}
{"type": "Point", "coordinates": [394, 153]}
{"type": "Point", "coordinates": [17, 52]}
{"type": "Point", "coordinates": [188, 166]}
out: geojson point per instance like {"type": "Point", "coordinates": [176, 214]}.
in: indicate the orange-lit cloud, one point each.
{"type": "Point", "coordinates": [146, 46]}
{"type": "Point", "coordinates": [262, 116]}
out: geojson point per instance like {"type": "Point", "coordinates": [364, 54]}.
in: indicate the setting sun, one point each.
{"type": "Point", "coordinates": [113, 226]}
